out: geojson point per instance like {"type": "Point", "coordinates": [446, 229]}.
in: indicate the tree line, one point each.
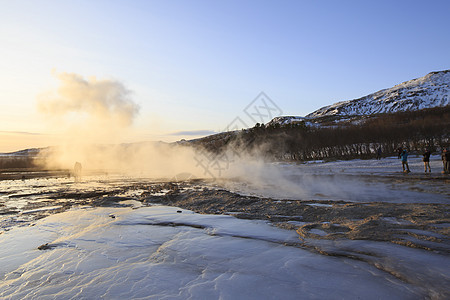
{"type": "Point", "coordinates": [358, 138]}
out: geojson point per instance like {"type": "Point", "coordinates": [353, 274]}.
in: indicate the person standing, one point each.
{"type": "Point", "coordinates": [426, 160]}
{"type": "Point", "coordinates": [77, 171]}
{"type": "Point", "coordinates": [399, 152]}
{"type": "Point", "coordinates": [404, 156]}
{"type": "Point", "coordinates": [446, 160]}
{"type": "Point", "coordinates": [379, 153]}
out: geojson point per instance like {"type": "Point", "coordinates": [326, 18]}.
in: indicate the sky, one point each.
{"type": "Point", "coordinates": [190, 68]}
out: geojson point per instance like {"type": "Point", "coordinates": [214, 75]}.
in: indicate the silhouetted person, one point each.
{"type": "Point", "coordinates": [404, 157]}
{"type": "Point", "coordinates": [77, 171]}
{"type": "Point", "coordinates": [446, 161]}
{"type": "Point", "coordinates": [379, 153]}
{"type": "Point", "coordinates": [399, 152]}
{"type": "Point", "coordinates": [426, 160]}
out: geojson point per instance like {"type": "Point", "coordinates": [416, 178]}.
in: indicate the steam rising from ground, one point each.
{"type": "Point", "coordinates": [152, 159]}
{"type": "Point", "coordinates": [94, 117]}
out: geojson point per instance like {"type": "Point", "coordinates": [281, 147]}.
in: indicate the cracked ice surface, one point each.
{"type": "Point", "coordinates": [155, 252]}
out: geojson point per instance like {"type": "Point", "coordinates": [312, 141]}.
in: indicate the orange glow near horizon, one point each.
{"type": "Point", "coordinates": [12, 141]}
{"type": "Point", "coordinates": [15, 141]}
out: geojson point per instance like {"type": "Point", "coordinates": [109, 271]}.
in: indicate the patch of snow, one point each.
{"type": "Point", "coordinates": [285, 120]}
{"type": "Point", "coordinates": [318, 232]}
{"type": "Point", "coordinates": [132, 203]}
{"type": "Point", "coordinates": [320, 204]}
{"type": "Point", "coordinates": [313, 162]}
{"type": "Point", "coordinates": [160, 193]}
{"type": "Point", "coordinates": [297, 223]}
{"type": "Point", "coordinates": [393, 220]}
{"type": "Point", "coordinates": [47, 208]}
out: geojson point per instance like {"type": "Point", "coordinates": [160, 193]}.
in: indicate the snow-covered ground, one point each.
{"type": "Point", "coordinates": [162, 252]}
{"type": "Point", "coordinates": [159, 253]}
{"type": "Point", "coordinates": [353, 180]}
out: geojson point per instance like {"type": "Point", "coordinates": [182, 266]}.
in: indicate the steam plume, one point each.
{"type": "Point", "coordinates": [98, 100]}
{"type": "Point", "coordinates": [94, 117]}
{"type": "Point", "coordinates": [95, 114]}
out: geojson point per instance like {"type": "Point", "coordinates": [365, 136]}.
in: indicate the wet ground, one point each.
{"type": "Point", "coordinates": [415, 224]}
{"type": "Point", "coordinates": [360, 211]}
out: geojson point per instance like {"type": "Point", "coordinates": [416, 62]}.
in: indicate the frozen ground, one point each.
{"type": "Point", "coordinates": [156, 252]}
{"type": "Point", "coordinates": [350, 229]}
{"type": "Point", "coordinates": [354, 180]}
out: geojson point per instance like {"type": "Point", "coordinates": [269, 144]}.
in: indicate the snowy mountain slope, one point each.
{"type": "Point", "coordinates": [431, 90]}
{"type": "Point", "coordinates": [286, 120]}
{"type": "Point", "coordinates": [22, 153]}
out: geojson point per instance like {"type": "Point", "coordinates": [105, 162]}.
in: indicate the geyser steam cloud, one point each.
{"type": "Point", "coordinates": [94, 116]}
{"type": "Point", "coordinates": [89, 102]}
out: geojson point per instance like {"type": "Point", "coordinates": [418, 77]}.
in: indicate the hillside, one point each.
{"type": "Point", "coordinates": [352, 138]}
{"type": "Point", "coordinates": [431, 90]}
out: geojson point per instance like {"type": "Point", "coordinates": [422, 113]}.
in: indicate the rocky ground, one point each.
{"type": "Point", "coordinates": [417, 225]}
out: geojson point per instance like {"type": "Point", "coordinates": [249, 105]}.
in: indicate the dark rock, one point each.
{"type": "Point", "coordinates": [46, 246]}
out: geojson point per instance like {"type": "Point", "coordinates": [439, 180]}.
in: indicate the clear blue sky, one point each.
{"type": "Point", "coordinates": [194, 65]}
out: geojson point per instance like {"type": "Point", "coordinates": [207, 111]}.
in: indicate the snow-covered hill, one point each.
{"type": "Point", "coordinates": [22, 153]}
{"type": "Point", "coordinates": [431, 90]}
{"type": "Point", "coordinates": [286, 120]}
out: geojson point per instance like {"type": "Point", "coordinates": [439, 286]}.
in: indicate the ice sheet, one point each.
{"type": "Point", "coordinates": [157, 252]}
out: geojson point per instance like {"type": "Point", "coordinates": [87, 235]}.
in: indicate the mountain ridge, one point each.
{"type": "Point", "coordinates": [431, 90]}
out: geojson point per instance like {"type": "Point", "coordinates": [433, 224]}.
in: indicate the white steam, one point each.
{"type": "Point", "coordinates": [98, 100]}
{"type": "Point", "coordinates": [94, 117]}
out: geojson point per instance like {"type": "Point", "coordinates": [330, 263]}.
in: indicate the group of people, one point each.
{"type": "Point", "coordinates": [403, 155]}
